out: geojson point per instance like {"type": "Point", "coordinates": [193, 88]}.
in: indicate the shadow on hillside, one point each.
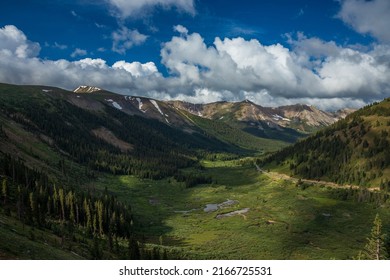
{"type": "Point", "coordinates": [151, 203]}
{"type": "Point", "coordinates": [328, 229]}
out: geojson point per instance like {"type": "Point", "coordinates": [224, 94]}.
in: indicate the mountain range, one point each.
{"type": "Point", "coordinates": [81, 124]}
{"type": "Point", "coordinates": [94, 174]}
{"type": "Point", "coordinates": [285, 123]}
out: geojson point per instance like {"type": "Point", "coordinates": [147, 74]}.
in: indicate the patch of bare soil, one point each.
{"type": "Point", "coordinates": [106, 135]}
{"type": "Point", "coordinates": [85, 103]}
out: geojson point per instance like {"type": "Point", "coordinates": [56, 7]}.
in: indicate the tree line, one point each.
{"type": "Point", "coordinates": [96, 219]}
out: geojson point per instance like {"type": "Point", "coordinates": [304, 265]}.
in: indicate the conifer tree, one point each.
{"type": "Point", "coordinates": [62, 202]}
{"type": "Point", "coordinates": [94, 223]}
{"type": "Point", "coordinates": [375, 248]}
{"type": "Point", "coordinates": [99, 210]}
{"type": "Point", "coordinates": [20, 204]}
{"type": "Point", "coordinates": [70, 205]}
{"type": "Point", "coordinates": [133, 249]}
{"type": "Point", "coordinates": [96, 250]}
{"type": "Point", "coordinates": [55, 199]}
{"type": "Point", "coordinates": [32, 203]}
{"type": "Point", "coordinates": [88, 215]}
{"type": "Point", "coordinates": [5, 190]}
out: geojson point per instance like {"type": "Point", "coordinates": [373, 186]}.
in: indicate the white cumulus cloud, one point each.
{"type": "Point", "coordinates": [181, 29]}
{"type": "Point", "coordinates": [314, 47]}
{"type": "Point", "coordinates": [310, 71]}
{"type": "Point", "coordinates": [91, 63]}
{"type": "Point", "coordinates": [124, 39]}
{"type": "Point", "coordinates": [367, 17]}
{"type": "Point", "coordinates": [78, 52]}
{"type": "Point", "coordinates": [26, 67]}
{"type": "Point", "coordinates": [136, 68]}
{"type": "Point", "coordinates": [14, 41]}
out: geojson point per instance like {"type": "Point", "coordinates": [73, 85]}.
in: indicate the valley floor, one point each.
{"type": "Point", "coordinates": [246, 214]}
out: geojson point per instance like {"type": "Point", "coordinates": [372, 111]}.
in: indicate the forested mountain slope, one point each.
{"type": "Point", "coordinates": [52, 149]}
{"type": "Point", "coordinates": [98, 136]}
{"type": "Point", "coordinates": [354, 150]}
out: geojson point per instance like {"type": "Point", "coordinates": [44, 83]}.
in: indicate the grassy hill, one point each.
{"type": "Point", "coordinates": [354, 150]}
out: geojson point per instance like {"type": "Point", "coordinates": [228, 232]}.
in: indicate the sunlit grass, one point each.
{"type": "Point", "coordinates": [284, 221]}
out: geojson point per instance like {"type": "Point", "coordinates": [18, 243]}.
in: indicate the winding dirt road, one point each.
{"type": "Point", "coordinates": [280, 176]}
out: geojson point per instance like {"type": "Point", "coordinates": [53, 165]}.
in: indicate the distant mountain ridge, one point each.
{"type": "Point", "coordinates": [305, 118]}
{"type": "Point", "coordinates": [286, 123]}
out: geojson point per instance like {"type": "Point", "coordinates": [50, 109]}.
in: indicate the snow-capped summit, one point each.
{"type": "Point", "coordinates": [86, 89]}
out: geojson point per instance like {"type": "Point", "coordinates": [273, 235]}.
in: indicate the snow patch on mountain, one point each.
{"type": "Point", "coordinates": [277, 117]}
{"type": "Point", "coordinates": [86, 89]}
{"type": "Point", "coordinates": [156, 105]}
{"type": "Point", "coordinates": [115, 104]}
{"type": "Point", "coordinates": [140, 104]}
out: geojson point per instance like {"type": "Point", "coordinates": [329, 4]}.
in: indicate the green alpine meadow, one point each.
{"type": "Point", "coordinates": [217, 135]}
{"type": "Point", "coordinates": [82, 178]}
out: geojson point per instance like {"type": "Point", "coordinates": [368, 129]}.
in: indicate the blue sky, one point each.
{"type": "Point", "coordinates": [331, 54]}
